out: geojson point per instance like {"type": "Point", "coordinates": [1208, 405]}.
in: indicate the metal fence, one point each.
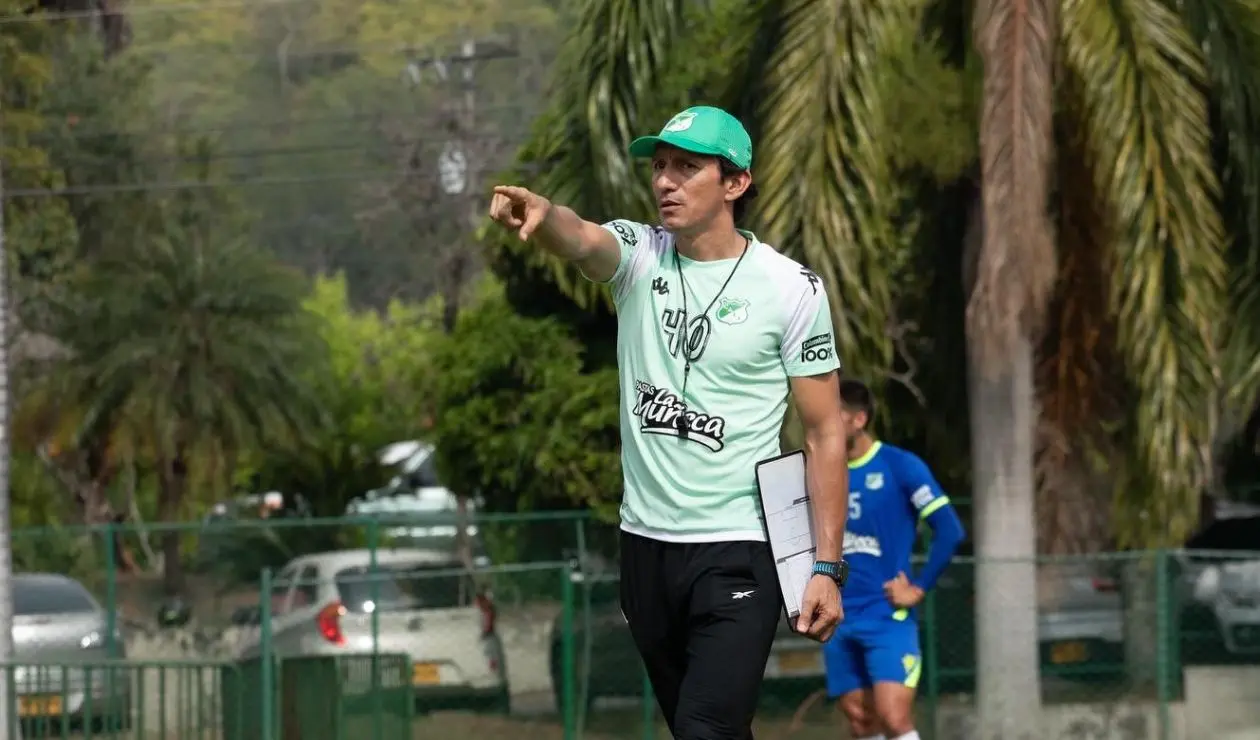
{"type": "Point", "coordinates": [384, 629]}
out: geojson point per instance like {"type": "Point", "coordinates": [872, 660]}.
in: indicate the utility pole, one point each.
{"type": "Point", "coordinates": [459, 173]}
{"type": "Point", "coordinates": [461, 162]}
{"type": "Point", "coordinates": [9, 726]}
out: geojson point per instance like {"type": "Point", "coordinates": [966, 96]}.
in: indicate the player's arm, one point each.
{"type": "Point", "coordinates": [809, 357]}
{"type": "Point", "coordinates": [560, 231]}
{"type": "Point", "coordinates": [817, 399]}
{"type": "Point", "coordinates": [931, 505]}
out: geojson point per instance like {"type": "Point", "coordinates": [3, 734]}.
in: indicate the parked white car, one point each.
{"type": "Point", "coordinates": [426, 605]}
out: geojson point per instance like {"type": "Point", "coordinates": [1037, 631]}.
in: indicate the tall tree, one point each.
{"type": "Point", "coordinates": [188, 344]}
{"type": "Point", "coordinates": [1011, 281]}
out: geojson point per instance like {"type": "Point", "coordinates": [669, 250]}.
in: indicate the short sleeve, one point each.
{"type": "Point", "coordinates": [808, 346]}
{"type": "Point", "coordinates": [919, 485]}
{"type": "Point", "coordinates": [634, 240]}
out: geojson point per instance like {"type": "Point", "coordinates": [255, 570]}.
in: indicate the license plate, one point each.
{"type": "Point", "coordinates": [799, 660]}
{"type": "Point", "coordinates": [1069, 652]}
{"type": "Point", "coordinates": [39, 706]}
{"type": "Point", "coordinates": [425, 674]}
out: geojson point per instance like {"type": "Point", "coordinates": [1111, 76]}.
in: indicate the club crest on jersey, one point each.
{"type": "Point", "coordinates": [874, 481]}
{"type": "Point", "coordinates": [661, 412]}
{"type": "Point", "coordinates": [732, 310]}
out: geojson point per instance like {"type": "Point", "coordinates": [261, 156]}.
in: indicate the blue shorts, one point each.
{"type": "Point", "coordinates": [868, 651]}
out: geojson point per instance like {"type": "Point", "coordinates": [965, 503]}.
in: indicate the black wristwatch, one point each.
{"type": "Point", "coordinates": [836, 570]}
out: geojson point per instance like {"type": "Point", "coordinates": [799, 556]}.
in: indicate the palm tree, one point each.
{"type": "Point", "coordinates": [1119, 181]}
{"type": "Point", "coordinates": [187, 348]}
{"type": "Point", "coordinates": [1011, 281]}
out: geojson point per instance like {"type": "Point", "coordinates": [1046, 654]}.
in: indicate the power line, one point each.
{"type": "Point", "coordinates": [70, 15]}
{"type": "Point", "coordinates": [418, 54]}
{"type": "Point", "coordinates": [288, 153]}
{"type": "Point", "coordinates": [78, 131]}
{"type": "Point", "coordinates": [176, 185]}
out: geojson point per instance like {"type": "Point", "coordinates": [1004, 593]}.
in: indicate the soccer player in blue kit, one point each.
{"type": "Point", "coordinates": [873, 660]}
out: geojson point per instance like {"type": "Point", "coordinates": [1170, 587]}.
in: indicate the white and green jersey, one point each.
{"type": "Point", "coordinates": [771, 322]}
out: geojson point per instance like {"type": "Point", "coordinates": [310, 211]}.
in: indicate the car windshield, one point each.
{"type": "Point", "coordinates": [33, 597]}
{"type": "Point", "coordinates": [400, 588]}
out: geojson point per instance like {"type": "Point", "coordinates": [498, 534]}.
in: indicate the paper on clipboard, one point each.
{"type": "Point", "coordinates": [789, 524]}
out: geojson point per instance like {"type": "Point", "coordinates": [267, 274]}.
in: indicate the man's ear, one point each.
{"type": "Point", "coordinates": [737, 184]}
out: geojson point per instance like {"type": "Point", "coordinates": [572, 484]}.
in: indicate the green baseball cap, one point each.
{"type": "Point", "coordinates": [703, 130]}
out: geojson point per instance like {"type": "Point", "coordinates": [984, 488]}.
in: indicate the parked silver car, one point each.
{"type": "Point", "coordinates": [61, 667]}
{"type": "Point", "coordinates": [1080, 614]}
{"type": "Point", "coordinates": [427, 606]}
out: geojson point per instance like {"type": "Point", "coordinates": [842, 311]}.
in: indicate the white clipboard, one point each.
{"type": "Point", "coordinates": [789, 524]}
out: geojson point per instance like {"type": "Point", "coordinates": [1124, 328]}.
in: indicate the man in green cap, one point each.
{"type": "Point", "coordinates": [714, 329]}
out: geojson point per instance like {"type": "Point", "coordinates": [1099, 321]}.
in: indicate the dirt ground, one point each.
{"type": "Point", "coordinates": [607, 725]}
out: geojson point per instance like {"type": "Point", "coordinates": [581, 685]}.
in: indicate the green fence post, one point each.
{"type": "Point", "coordinates": [567, 713]}
{"type": "Point", "coordinates": [111, 608]}
{"type": "Point", "coordinates": [1163, 664]}
{"type": "Point", "coordinates": [111, 592]}
{"type": "Point", "coordinates": [265, 658]}
{"type": "Point", "coordinates": [374, 591]}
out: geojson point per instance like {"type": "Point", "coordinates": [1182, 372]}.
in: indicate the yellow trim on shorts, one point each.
{"type": "Point", "coordinates": [900, 615]}
{"type": "Point", "coordinates": [912, 680]}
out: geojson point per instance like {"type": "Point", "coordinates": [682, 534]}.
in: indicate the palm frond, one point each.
{"type": "Point", "coordinates": [823, 165]}
{"type": "Point", "coordinates": [1142, 81]}
{"type": "Point", "coordinates": [608, 68]}
{"type": "Point", "coordinates": [1228, 31]}
{"type": "Point", "coordinates": [1015, 273]}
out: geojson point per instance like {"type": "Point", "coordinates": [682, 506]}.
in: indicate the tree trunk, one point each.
{"type": "Point", "coordinates": [1003, 416]}
{"type": "Point", "coordinates": [9, 726]}
{"type": "Point", "coordinates": [174, 480]}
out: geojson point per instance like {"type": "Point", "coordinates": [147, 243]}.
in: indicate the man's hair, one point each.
{"type": "Point", "coordinates": [741, 203]}
{"type": "Point", "coordinates": [857, 397]}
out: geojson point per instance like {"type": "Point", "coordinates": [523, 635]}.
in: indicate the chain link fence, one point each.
{"type": "Point", "coordinates": [390, 628]}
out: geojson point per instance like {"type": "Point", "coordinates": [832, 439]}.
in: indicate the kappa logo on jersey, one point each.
{"type": "Point", "coordinates": [732, 310]}
{"type": "Point", "coordinates": [861, 544]}
{"type": "Point", "coordinates": [626, 234]}
{"type": "Point", "coordinates": [816, 348]}
{"type": "Point", "coordinates": [661, 412]}
{"type": "Point", "coordinates": [813, 279]}
{"type": "Point", "coordinates": [874, 481]}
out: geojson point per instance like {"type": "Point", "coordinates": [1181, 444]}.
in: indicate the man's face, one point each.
{"type": "Point", "coordinates": [690, 190]}
{"type": "Point", "coordinates": [854, 423]}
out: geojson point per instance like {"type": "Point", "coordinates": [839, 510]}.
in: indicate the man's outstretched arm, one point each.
{"type": "Point", "coordinates": [559, 230]}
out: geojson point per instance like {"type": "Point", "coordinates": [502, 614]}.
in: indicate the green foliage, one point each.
{"type": "Point", "coordinates": [517, 420]}
{"type": "Point", "coordinates": [187, 343]}
{"type": "Point", "coordinates": [39, 234]}
{"type": "Point", "coordinates": [374, 390]}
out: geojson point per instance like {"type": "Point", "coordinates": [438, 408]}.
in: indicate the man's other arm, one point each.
{"type": "Point", "coordinates": [817, 399]}
{"type": "Point", "coordinates": [808, 353]}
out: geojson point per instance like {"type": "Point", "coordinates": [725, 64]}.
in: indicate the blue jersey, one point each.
{"type": "Point", "coordinates": [890, 491]}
